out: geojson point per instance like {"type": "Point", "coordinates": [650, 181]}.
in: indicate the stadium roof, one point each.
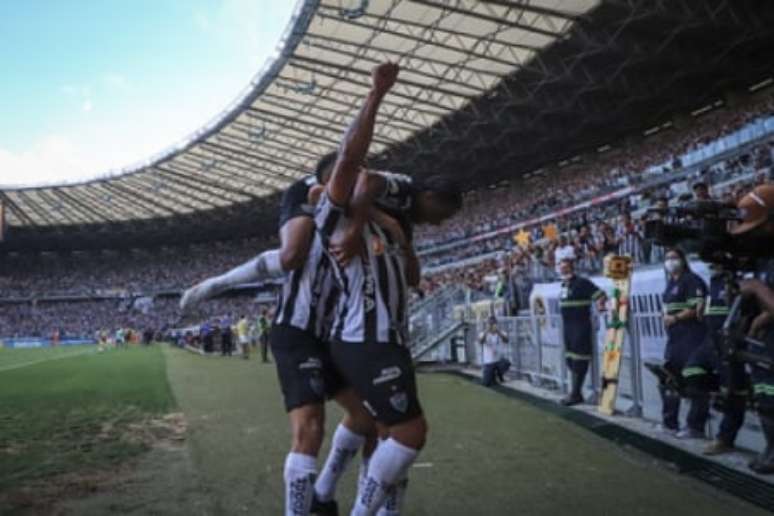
{"type": "Point", "coordinates": [487, 88]}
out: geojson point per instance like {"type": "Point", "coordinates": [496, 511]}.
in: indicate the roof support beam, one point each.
{"type": "Point", "coordinates": [521, 5]}
{"type": "Point", "coordinates": [486, 17]}
{"type": "Point", "coordinates": [196, 182]}
{"type": "Point", "coordinates": [23, 217]}
{"type": "Point", "coordinates": [44, 215]}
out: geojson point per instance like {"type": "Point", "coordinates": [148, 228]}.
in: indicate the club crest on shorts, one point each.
{"type": "Point", "coordinates": [317, 384]}
{"type": "Point", "coordinates": [399, 401]}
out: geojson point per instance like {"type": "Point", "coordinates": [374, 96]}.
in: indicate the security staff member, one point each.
{"type": "Point", "coordinates": [575, 301]}
{"type": "Point", "coordinates": [684, 294]}
{"type": "Point", "coordinates": [706, 373]}
{"type": "Point", "coordinates": [758, 226]}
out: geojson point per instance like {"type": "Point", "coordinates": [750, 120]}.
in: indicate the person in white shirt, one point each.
{"type": "Point", "coordinates": [491, 341]}
{"type": "Point", "coordinates": [564, 251]}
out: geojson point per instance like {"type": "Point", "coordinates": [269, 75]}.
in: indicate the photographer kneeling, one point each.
{"type": "Point", "coordinates": [491, 341]}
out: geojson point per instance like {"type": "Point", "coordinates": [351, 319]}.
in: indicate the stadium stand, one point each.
{"type": "Point", "coordinates": [78, 293]}
{"type": "Point", "coordinates": [566, 121]}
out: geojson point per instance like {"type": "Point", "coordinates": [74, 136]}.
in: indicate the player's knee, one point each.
{"type": "Point", "coordinates": [359, 422]}
{"type": "Point", "coordinates": [291, 258]}
{"type": "Point", "coordinates": [412, 433]}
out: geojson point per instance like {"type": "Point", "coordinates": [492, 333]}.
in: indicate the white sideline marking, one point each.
{"type": "Point", "coordinates": [423, 465]}
{"type": "Point", "coordinates": [25, 364]}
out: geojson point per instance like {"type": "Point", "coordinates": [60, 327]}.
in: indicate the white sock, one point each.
{"type": "Point", "coordinates": [393, 503]}
{"type": "Point", "coordinates": [300, 471]}
{"type": "Point", "coordinates": [362, 473]}
{"type": "Point", "coordinates": [344, 447]}
{"type": "Point", "coordinates": [390, 460]}
{"type": "Point", "coordinates": [271, 263]}
{"type": "Point", "coordinates": [264, 266]}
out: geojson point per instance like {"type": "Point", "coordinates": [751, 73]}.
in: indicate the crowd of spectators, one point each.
{"type": "Point", "coordinates": [490, 209]}
{"type": "Point", "coordinates": [85, 317]}
{"type": "Point", "coordinates": [122, 272]}
{"type": "Point", "coordinates": [513, 263]}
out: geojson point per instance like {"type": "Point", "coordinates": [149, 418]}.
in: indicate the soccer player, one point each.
{"type": "Point", "coordinates": [304, 368]}
{"type": "Point", "coordinates": [369, 336]}
{"type": "Point", "coordinates": [242, 331]}
{"type": "Point", "coordinates": [434, 200]}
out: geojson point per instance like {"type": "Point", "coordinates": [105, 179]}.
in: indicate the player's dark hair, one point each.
{"type": "Point", "coordinates": [444, 189]}
{"type": "Point", "coordinates": [323, 164]}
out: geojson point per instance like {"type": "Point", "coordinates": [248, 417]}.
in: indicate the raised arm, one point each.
{"type": "Point", "coordinates": [368, 187]}
{"type": "Point", "coordinates": [357, 139]}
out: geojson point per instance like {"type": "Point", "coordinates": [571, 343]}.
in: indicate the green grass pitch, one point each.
{"type": "Point", "coordinates": [486, 454]}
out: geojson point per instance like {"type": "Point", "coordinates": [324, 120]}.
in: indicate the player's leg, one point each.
{"type": "Point", "coordinates": [300, 370]}
{"type": "Point", "coordinates": [264, 266]}
{"type": "Point", "coordinates": [356, 431]}
{"type": "Point", "coordinates": [245, 343]}
{"type": "Point", "coordinates": [383, 376]}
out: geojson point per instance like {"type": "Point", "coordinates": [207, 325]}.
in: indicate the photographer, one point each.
{"type": "Point", "coordinates": [706, 373]}
{"type": "Point", "coordinates": [757, 226]}
{"type": "Point", "coordinates": [685, 292]}
{"type": "Point", "coordinates": [491, 340]}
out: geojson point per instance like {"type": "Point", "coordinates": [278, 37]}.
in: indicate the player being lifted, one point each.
{"type": "Point", "coordinates": [432, 201]}
{"type": "Point", "coordinates": [370, 331]}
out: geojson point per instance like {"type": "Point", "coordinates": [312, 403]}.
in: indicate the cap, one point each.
{"type": "Point", "coordinates": [698, 184]}
{"type": "Point", "coordinates": [755, 208]}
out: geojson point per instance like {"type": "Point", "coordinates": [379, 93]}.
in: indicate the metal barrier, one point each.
{"type": "Point", "coordinates": [535, 349]}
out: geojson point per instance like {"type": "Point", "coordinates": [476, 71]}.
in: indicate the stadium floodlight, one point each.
{"type": "Point", "coordinates": [354, 12]}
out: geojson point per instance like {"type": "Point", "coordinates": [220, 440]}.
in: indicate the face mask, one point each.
{"type": "Point", "coordinates": [567, 276]}
{"type": "Point", "coordinates": [673, 265]}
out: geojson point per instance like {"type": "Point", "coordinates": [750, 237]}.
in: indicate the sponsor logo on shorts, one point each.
{"type": "Point", "coordinates": [399, 402]}
{"type": "Point", "coordinates": [369, 408]}
{"type": "Point", "coordinates": [311, 363]}
{"type": "Point", "coordinates": [387, 374]}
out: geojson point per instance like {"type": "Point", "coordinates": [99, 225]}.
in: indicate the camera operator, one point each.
{"type": "Point", "coordinates": [575, 301]}
{"type": "Point", "coordinates": [758, 226]}
{"type": "Point", "coordinates": [685, 292]}
{"type": "Point", "coordinates": [706, 373]}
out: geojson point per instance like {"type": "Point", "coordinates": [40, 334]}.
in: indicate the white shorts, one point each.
{"type": "Point", "coordinates": [244, 340]}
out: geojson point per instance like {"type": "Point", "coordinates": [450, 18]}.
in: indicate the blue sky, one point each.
{"type": "Point", "coordinates": [92, 86]}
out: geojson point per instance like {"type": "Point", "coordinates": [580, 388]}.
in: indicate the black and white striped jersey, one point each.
{"type": "Point", "coordinates": [309, 294]}
{"type": "Point", "coordinates": [373, 302]}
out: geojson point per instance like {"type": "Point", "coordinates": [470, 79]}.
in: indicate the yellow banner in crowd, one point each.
{"type": "Point", "coordinates": [551, 232]}
{"type": "Point", "coordinates": [521, 238]}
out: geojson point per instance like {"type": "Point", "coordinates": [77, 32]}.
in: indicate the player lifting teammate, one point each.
{"type": "Point", "coordinates": [431, 201]}
{"type": "Point", "coordinates": [369, 340]}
